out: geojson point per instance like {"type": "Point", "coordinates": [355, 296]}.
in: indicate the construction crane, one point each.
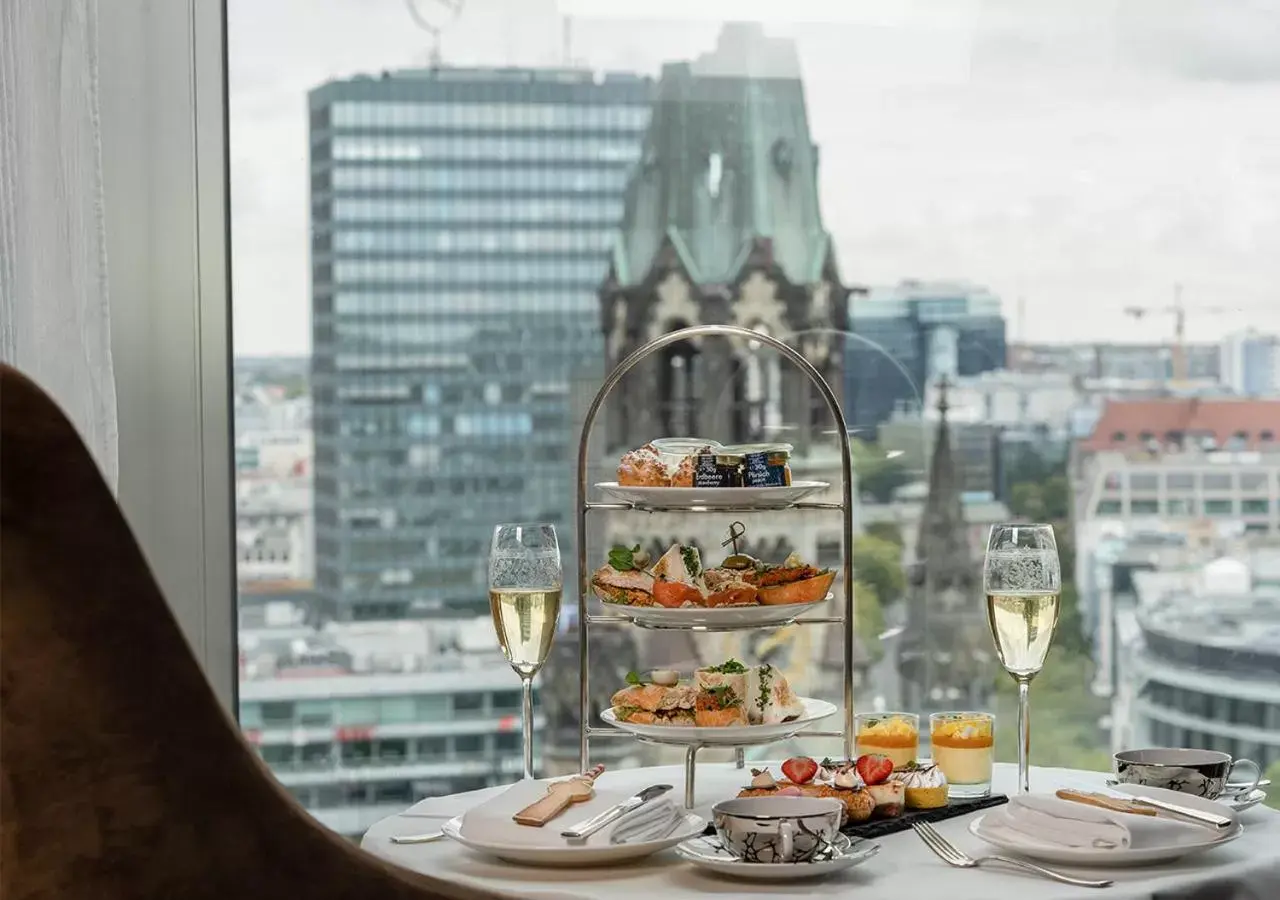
{"type": "Point", "coordinates": [1178, 309]}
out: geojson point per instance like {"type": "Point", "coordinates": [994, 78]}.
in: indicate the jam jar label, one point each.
{"type": "Point", "coordinates": [766, 469]}
{"type": "Point", "coordinates": [716, 471]}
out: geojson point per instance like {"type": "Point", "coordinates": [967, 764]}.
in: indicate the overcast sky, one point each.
{"type": "Point", "coordinates": [1083, 156]}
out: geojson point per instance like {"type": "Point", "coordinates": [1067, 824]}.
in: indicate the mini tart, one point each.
{"type": "Point", "coordinates": [925, 787]}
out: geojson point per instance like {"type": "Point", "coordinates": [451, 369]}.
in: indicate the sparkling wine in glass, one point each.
{"type": "Point", "coordinates": [1023, 581]}
{"type": "Point", "coordinates": [525, 581]}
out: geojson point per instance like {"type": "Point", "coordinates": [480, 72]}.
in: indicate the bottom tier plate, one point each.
{"type": "Point", "coordinates": [739, 736]}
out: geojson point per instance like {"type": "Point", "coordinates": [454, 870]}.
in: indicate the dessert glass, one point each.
{"type": "Point", "coordinates": [963, 747]}
{"type": "Point", "coordinates": [892, 734]}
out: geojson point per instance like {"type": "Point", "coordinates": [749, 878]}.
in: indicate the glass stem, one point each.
{"type": "Point", "coordinates": [1024, 736]}
{"type": "Point", "coordinates": [526, 690]}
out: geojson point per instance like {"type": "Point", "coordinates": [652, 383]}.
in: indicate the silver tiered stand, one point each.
{"type": "Point", "coordinates": [587, 731]}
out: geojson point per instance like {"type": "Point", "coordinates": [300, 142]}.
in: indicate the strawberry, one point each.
{"type": "Point", "coordinates": [874, 768]}
{"type": "Point", "coordinates": [800, 769]}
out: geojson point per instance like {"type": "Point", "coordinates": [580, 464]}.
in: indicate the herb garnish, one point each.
{"type": "Point", "coordinates": [723, 695]}
{"type": "Point", "coordinates": [766, 678]}
{"type": "Point", "coordinates": [728, 667]}
{"type": "Point", "coordinates": [692, 561]}
{"type": "Point", "coordinates": [633, 677]}
{"type": "Point", "coordinates": [624, 558]}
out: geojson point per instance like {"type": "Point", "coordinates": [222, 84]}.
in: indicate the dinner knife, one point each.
{"type": "Point", "coordinates": [590, 826]}
{"type": "Point", "coordinates": [1143, 805]}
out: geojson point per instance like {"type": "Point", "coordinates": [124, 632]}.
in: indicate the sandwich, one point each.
{"type": "Point", "coordinates": [624, 578]}
{"type": "Point", "coordinates": [770, 699]}
{"type": "Point", "coordinates": [732, 582]}
{"type": "Point", "coordinates": [656, 704]}
{"type": "Point", "coordinates": [722, 693]}
{"type": "Point", "coordinates": [677, 578]}
{"type": "Point", "coordinates": [795, 581]}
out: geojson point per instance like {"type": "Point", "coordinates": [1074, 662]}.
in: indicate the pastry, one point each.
{"type": "Point", "coordinates": [925, 786]}
{"type": "Point", "coordinates": [858, 804]}
{"type": "Point", "coordinates": [889, 797]}
{"type": "Point", "coordinates": [642, 467]}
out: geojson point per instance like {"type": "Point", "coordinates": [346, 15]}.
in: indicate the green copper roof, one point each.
{"type": "Point", "coordinates": [727, 160]}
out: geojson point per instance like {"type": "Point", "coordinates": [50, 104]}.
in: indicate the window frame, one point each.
{"type": "Point", "coordinates": [163, 109]}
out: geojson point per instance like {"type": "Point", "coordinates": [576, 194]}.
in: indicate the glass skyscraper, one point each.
{"type": "Point", "coordinates": [461, 220]}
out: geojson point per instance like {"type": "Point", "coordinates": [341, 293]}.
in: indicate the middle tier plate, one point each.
{"type": "Point", "coordinates": [735, 736]}
{"type": "Point", "coordinates": [718, 617]}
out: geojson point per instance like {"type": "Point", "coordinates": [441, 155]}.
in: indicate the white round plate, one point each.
{"type": "Point", "coordinates": [1238, 801]}
{"type": "Point", "coordinates": [1133, 856]}
{"type": "Point", "coordinates": [733, 736]}
{"type": "Point", "coordinates": [714, 498]}
{"type": "Point", "coordinates": [715, 616]}
{"type": "Point", "coordinates": [706, 853]}
{"type": "Point", "coordinates": [579, 855]}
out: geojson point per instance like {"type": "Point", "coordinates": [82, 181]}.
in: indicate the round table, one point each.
{"type": "Point", "coordinates": [1246, 869]}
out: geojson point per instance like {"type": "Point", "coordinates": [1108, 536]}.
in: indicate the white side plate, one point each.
{"type": "Point", "coordinates": [716, 616]}
{"type": "Point", "coordinates": [735, 736]}
{"type": "Point", "coordinates": [1132, 856]}
{"type": "Point", "coordinates": [714, 498]}
{"type": "Point", "coordinates": [576, 855]}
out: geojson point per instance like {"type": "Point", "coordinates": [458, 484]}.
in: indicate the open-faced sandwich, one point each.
{"type": "Point", "coordinates": [795, 581]}
{"type": "Point", "coordinates": [678, 579]}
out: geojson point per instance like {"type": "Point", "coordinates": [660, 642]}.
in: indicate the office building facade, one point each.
{"type": "Point", "coordinates": [909, 335]}
{"type": "Point", "coordinates": [461, 222]}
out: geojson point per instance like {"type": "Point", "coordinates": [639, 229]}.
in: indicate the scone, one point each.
{"type": "Point", "coordinates": [642, 468]}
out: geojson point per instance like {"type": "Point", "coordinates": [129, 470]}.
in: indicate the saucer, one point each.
{"type": "Point", "coordinates": [707, 853]}
{"type": "Point", "coordinates": [1237, 801]}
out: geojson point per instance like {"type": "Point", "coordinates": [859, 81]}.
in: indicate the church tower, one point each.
{"type": "Point", "coordinates": [945, 654]}
{"type": "Point", "coordinates": [722, 225]}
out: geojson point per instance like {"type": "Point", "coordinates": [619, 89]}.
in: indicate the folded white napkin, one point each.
{"type": "Point", "coordinates": [1049, 821]}
{"type": "Point", "coordinates": [491, 821]}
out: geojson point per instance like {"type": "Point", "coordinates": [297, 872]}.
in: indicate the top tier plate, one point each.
{"type": "Point", "coordinates": [714, 498]}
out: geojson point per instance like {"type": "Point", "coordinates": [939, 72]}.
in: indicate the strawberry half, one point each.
{"type": "Point", "coordinates": [874, 768]}
{"type": "Point", "coordinates": [801, 769]}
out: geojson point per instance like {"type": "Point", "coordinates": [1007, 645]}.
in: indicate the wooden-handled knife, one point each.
{"type": "Point", "coordinates": [560, 795]}
{"type": "Point", "coordinates": [1147, 806]}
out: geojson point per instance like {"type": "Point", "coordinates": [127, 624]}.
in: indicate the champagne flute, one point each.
{"type": "Point", "coordinates": [525, 581]}
{"type": "Point", "coordinates": [1023, 580]}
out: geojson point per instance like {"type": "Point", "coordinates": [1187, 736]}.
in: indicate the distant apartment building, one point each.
{"type": "Point", "coordinates": [1250, 363]}
{"type": "Point", "coordinates": [360, 720]}
{"type": "Point", "coordinates": [461, 221]}
{"type": "Point", "coordinates": [1202, 469]}
{"type": "Point", "coordinates": [907, 336]}
{"type": "Point", "coordinates": [1199, 659]}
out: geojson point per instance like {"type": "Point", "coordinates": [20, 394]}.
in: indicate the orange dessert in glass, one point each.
{"type": "Point", "coordinates": [892, 734]}
{"type": "Point", "coordinates": [964, 749]}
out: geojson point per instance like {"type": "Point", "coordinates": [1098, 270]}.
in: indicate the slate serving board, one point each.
{"type": "Point", "coordinates": [876, 828]}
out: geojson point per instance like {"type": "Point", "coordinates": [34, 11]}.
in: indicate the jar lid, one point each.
{"type": "Point", "coordinates": [759, 448]}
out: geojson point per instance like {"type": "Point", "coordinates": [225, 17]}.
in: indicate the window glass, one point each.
{"type": "Point", "coordinates": [437, 265]}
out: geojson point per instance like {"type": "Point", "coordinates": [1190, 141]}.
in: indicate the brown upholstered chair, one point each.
{"type": "Point", "coordinates": [120, 774]}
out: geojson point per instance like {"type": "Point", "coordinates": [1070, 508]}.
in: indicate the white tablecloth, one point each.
{"type": "Point", "coordinates": [1246, 869]}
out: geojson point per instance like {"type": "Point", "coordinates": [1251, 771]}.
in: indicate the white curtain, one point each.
{"type": "Point", "coordinates": [54, 316]}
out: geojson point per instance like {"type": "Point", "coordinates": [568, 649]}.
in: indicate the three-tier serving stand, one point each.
{"type": "Point", "coordinates": [586, 619]}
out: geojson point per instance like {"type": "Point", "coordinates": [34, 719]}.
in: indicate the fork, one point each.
{"type": "Point", "coordinates": [952, 856]}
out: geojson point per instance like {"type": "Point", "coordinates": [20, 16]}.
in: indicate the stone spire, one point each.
{"type": "Point", "coordinates": [945, 652]}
